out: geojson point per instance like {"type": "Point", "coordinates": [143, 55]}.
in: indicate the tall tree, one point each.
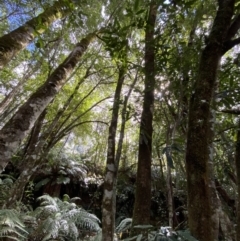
{"type": "Point", "coordinates": [23, 120]}
{"type": "Point", "coordinates": [141, 213]}
{"type": "Point", "coordinates": [198, 152]}
{"type": "Point", "coordinates": [18, 39]}
{"type": "Point", "coordinates": [108, 203]}
{"type": "Point", "coordinates": [237, 162]}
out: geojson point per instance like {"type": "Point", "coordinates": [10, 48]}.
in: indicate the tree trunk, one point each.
{"type": "Point", "coordinates": [22, 122]}
{"type": "Point", "coordinates": [198, 153]}
{"type": "Point", "coordinates": [17, 190]}
{"type": "Point", "coordinates": [119, 149]}
{"type": "Point", "coordinates": [108, 203]}
{"type": "Point", "coordinates": [230, 202]}
{"type": "Point", "coordinates": [18, 39]}
{"type": "Point", "coordinates": [170, 197]}
{"type": "Point", "coordinates": [141, 212]}
{"type": "Point", "coordinates": [170, 134]}
{"type": "Point", "coordinates": [226, 227]}
{"type": "Point", "coordinates": [34, 136]}
{"type": "Point", "coordinates": [237, 161]}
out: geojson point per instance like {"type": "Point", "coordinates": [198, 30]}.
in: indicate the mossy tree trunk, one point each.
{"type": "Point", "coordinates": [141, 213]}
{"type": "Point", "coordinates": [18, 39]}
{"type": "Point", "coordinates": [17, 128]}
{"type": "Point", "coordinates": [108, 203]}
{"type": "Point", "coordinates": [237, 161]}
{"type": "Point", "coordinates": [17, 190]}
{"type": "Point", "coordinates": [198, 135]}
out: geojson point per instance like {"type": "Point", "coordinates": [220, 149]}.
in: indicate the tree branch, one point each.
{"type": "Point", "coordinates": [230, 44]}
{"type": "Point", "coordinates": [231, 111]}
{"type": "Point", "coordinates": [233, 28]}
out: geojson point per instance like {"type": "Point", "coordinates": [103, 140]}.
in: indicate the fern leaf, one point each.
{"type": "Point", "coordinates": [124, 225]}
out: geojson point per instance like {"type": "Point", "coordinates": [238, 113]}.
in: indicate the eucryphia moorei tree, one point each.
{"type": "Point", "coordinates": [198, 136]}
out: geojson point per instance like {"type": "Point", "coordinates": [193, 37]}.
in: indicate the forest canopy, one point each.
{"type": "Point", "coordinates": [119, 120]}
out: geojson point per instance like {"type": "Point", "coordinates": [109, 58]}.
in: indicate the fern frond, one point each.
{"type": "Point", "coordinates": [83, 219]}
{"type": "Point", "coordinates": [73, 232]}
{"type": "Point", "coordinates": [11, 238]}
{"type": "Point", "coordinates": [42, 183]}
{"type": "Point", "coordinates": [10, 223]}
{"type": "Point", "coordinates": [10, 218]}
{"type": "Point", "coordinates": [62, 220]}
{"type": "Point", "coordinates": [7, 231]}
{"type": "Point", "coordinates": [124, 225]}
{"type": "Point", "coordinates": [47, 200]}
{"type": "Point", "coordinates": [88, 224]}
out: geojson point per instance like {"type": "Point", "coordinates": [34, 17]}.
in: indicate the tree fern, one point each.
{"type": "Point", "coordinates": [62, 220]}
{"type": "Point", "coordinates": [64, 166]}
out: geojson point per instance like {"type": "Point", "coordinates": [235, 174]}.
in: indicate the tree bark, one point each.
{"type": "Point", "coordinates": [169, 188]}
{"type": "Point", "coordinates": [198, 152]}
{"type": "Point", "coordinates": [22, 122]}
{"type": "Point", "coordinates": [141, 212]}
{"type": "Point", "coordinates": [108, 203]}
{"type": "Point", "coordinates": [18, 39]}
{"type": "Point", "coordinates": [225, 196]}
{"type": "Point", "coordinates": [237, 161]}
{"type": "Point", "coordinates": [17, 190]}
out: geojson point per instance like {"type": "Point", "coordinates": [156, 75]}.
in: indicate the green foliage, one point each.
{"type": "Point", "coordinates": [162, 235]}
{"type": "Point", "coordinates": [12, 225]}
{"type": "Point", "coordinates": [168, 152]}
{"type": "Point", "coordinates": [6, 183]}
{"type": "Point", "coordinates": [62, 220]}
{"type": "Point", "coordinates": [124, 225]}
{"type": "Point", "coordinates": [61, 169]}
{"type": "Point", "coordinates": [53, 219]}
{"type": "Point", "coordinates": [179, 38]}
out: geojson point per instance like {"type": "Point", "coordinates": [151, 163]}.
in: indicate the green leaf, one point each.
{"type": "Point", "coordinates": [39, 44]}
{"type": "Point", "coordinates": [143, 226]}
{"type": "Point", "coordinates": [174, 238]}
{"type": "Point", "coordinates": [140, 11]}
{"type": "Point", "coordinates": [190, 3]}
{"type": "Point", "coordinates": [42, 183]}
{"type": "Point", "coordinates": [185, 234]}
{"type": "Point", "coordinates": [139, 237]}
{"type": "Point", "coordinates": [63, 180]}
{"type": "Point", "coordinates": [136, 5]}
{"type": "Point", "coordinates": [176, 147]}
